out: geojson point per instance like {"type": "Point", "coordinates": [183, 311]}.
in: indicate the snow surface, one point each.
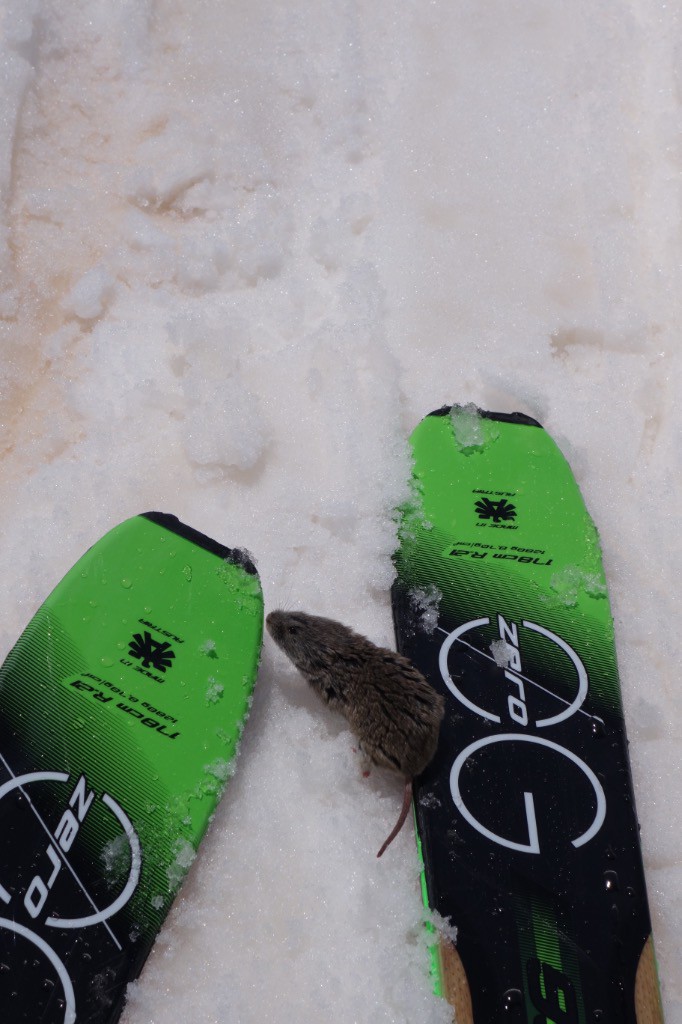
{"type": "Point", "coordinates": [244, 248]}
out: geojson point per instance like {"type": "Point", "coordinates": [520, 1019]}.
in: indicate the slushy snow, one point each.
{"type": "Point", "coordinates": [244, 249]}
{"type": "Point", "coordinates": [472, 432]}
{"type": "Point", "coordinates": [503, 653]}
{"type": "Point", "coordinates": [425, 603]}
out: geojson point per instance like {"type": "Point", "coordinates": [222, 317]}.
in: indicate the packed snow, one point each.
{"type": "Point", "coordinates": [244, 249]}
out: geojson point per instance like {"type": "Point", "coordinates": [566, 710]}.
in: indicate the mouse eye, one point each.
{"type": "Point", "coordinates": [293, 628]}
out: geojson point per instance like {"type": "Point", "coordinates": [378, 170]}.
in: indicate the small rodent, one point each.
{"type": "Point", "coordinates": [390, 707]}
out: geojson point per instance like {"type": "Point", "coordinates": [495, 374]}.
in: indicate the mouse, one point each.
{"type": "Point", "coordinates": [392, 710]}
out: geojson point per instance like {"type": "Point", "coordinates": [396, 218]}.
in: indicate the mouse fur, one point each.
{"type": "Point", "coordinates": [388, 704]}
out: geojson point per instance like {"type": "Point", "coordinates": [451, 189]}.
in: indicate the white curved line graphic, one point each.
{"type": "Point", "coordinates": [16, 782]}
{"type": "Point", "coordinates": [23, 780]}
{"type": "Point", "coordinates": [533, 845]}
{"type": "Point", "coordinates": [447, 678]}
{"type": "Point", "coordinates": [580, 669]}
{"type": "Point", "coordinates": [130, 886]}
{"type": "Point", "coordinates": [69, 995]}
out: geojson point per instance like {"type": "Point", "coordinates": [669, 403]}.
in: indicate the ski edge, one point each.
{"type": "Point", "coordinates": [501, 417]}
{"type": "Point", "coordinates": [238, 556]}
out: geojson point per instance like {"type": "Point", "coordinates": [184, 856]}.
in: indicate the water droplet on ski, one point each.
{"type": "Point", "coordinates": [127, 584]}
{"type": "Point", "coordinates": [512, 999]}
{"type": "Point", "coordinates": [611, 881]}
{"type": "Point", "coordinates": [597, 1015]}
{"type": "Point", "coordinates": [108, 662]}
{"type": "Point", "coordinates": [598, 727]}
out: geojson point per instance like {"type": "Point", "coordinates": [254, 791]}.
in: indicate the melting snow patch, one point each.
{"type": "Point", "coordinates": [425, 603]}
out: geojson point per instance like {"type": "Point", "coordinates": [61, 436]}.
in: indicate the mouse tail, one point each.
{"type": "Point", "coordinates": [407, 799]}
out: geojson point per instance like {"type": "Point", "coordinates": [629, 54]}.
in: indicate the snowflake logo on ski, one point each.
{"type": "Point", "coordinates": [498, 511]}
{"type": "Point", "coordinates": [153, 653]}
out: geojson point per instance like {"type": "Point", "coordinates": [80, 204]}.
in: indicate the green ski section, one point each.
{"type": "Point", "coordinates": [525, 818]}
{"type": "Point", "coordinates": [128, 692]}
{"type": "Point", "coordinates": [503, 500]}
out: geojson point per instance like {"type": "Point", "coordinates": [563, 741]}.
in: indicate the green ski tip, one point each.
{"type": "Point", "coordinates": [123, 703]}
{"type": "Point", "coordinates": [525, 817]}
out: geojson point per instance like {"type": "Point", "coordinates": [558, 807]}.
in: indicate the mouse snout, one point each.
{"type": "Point", "coordinates": [273, 622]}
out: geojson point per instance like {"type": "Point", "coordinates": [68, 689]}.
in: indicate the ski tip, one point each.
{"type": "Point", "coordinates": [238, 556]}
{"type": "Point", "coordinates": [502, 417]}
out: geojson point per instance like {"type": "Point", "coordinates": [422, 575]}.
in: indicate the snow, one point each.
{"type": "Point", "coordinates": [570, 581]}
{"type": "Point", "coordinates": [472, 432]}
{"type": "Point", "coordinates": [214, 692]}
{"type": "Point", "coordinates": [503, 653]}
{"type": "Point", "coordinates": [425, 604]}
{"type": "Point", "coordinates": [244, 248]}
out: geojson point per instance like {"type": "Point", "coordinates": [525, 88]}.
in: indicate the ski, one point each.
{"type": "Point", "coordinates": [121, 707]}
{"type": "Point", "coordinates": [525, 818]}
